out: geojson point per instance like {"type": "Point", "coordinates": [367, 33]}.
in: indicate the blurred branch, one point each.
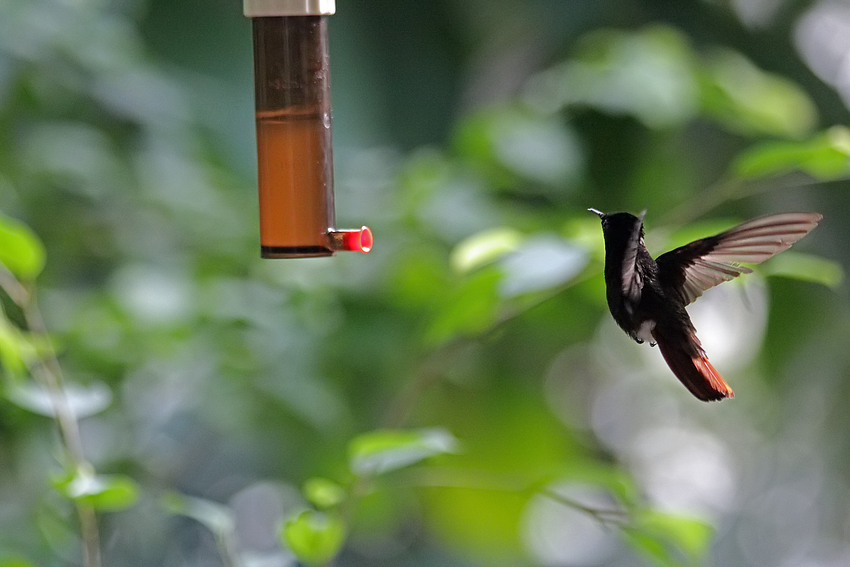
{"type": "Point", "coordinates": [430, 372]}
{"type": "Point", "coordinates": [431, 369]}
{"type": "Point", "coordinates": [729, 190]}
{"type": "Point", "coordinates": [605, 516]}
{"type": "Point", "coordinates": [480, 480]}
{"type": "Point", "coordinates": [47, 373]}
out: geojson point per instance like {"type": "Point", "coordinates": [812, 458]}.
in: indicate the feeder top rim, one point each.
{"type": "Point", "coordinates": [271, 8]}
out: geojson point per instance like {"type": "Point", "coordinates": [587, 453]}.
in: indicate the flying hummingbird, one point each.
{"type": "Point", "coordinates": [648, 297]}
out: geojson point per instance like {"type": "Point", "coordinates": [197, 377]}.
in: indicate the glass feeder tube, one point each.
{"type": "Point", "coordinates": [294, 134]}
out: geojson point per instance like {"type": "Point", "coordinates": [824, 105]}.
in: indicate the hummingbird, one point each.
{"type": "Point", "coordinates": [647, 297]}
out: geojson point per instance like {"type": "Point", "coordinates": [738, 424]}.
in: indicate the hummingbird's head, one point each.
{"type": "Point", "coordinates": [624, 223]}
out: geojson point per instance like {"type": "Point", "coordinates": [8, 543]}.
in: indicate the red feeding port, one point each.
{"type": "Point", "coordinates": [357, 239]}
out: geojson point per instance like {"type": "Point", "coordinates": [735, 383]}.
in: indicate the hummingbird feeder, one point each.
{"type": "Point", "coordinates": [293, 119]}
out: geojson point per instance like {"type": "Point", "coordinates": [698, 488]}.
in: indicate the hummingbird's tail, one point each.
{"type": "Point", "coordinates": [688, 362]}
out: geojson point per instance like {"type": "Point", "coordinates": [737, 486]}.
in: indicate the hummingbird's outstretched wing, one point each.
{"type": "Point", "coordinates": [693, 268]}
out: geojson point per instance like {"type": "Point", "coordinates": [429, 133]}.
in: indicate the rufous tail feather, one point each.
{"type": "Point", "coordinates": [696, 373]}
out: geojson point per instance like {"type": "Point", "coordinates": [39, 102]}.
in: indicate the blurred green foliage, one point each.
{"type": "Point", "coordinates": [459, 396]}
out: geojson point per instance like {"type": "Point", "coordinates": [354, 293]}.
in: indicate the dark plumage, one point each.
{"type": "Point", "coordinates": [648, 297]}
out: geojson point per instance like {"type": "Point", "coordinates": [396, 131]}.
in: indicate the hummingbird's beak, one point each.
{"type": "Point", "coordinates": [600, 213]}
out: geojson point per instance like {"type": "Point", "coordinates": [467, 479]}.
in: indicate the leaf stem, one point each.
{"type": "Point", "coordinates": [47, 373]}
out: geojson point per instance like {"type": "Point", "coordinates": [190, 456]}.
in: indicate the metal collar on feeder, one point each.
{"type": "Point", "coordinates": [293, 117]}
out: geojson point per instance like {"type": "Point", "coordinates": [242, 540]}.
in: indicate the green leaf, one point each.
{"type": "Point", "coordinates": [314, 537]}
{"type": "Point", "coordinates": [469, 309]}
{"type": "Point", "coordinates": [824, 157]}
{"type": "Point", "coordinates": [668, 539]}
{"type": "Point", "coordinates": [83, 401]}
{"type": "Point", "coordinates": [484, 247]}
{"type": "Point", "coordinates": [513, 143]}
{"type": "Point", "coordinates": [651, 547]}
{"type": "Point", "coordinates": [479, 523]}
{"type": "Point", "coordinates": [216, 517]}
{"type": "Point", "coordinates": [20, 249]}
{"type": "Point", "coordinates": [324, 493]}
{"type": "Point", "coordinates": [103, 492]}
{"type": "Point", "coordinates": [749, 100]}
{"type": "Point", "coordinates": [386, 450]}
{"type": "Point", "coordinates": [647, 74]}
{"type": "Point", "coordinates": [15, 348]}
{"type": "Point", "coordinates": [805, 267]}
{"type": "Point", "coordinates": [542, 262]}
{"type": "Point", "coordinates": [15, 562]}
